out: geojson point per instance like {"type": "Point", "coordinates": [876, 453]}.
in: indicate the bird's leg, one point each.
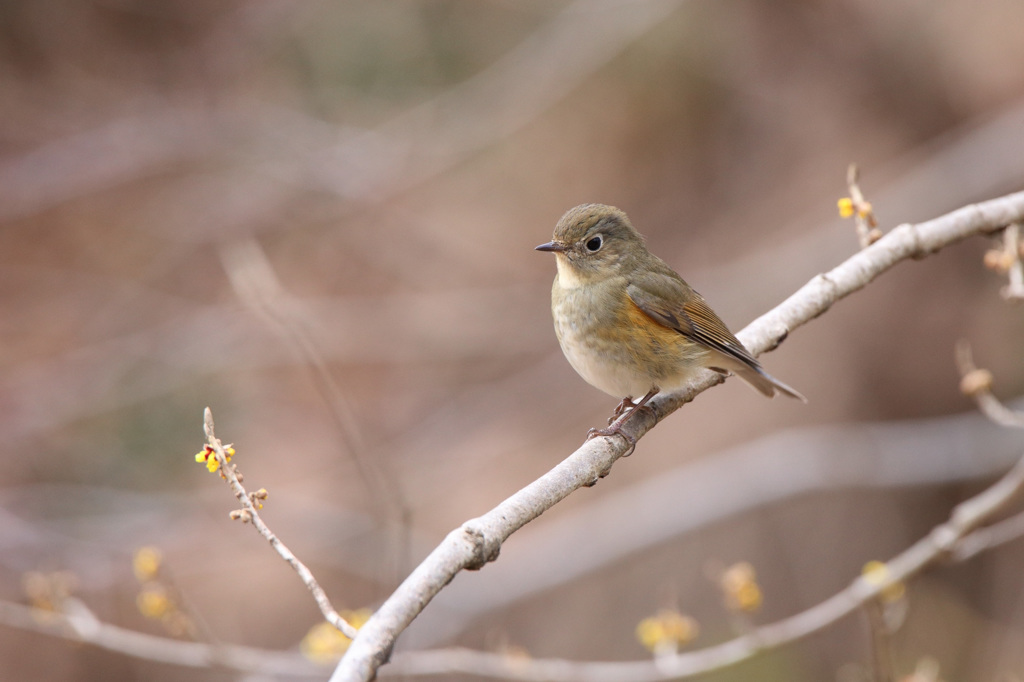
{"type": "Point", "coordinates": [643, 401]}
{"type": "Point", "coordinates": [620, 419]}
{"type": "Point", "coordinates": [626, 404]}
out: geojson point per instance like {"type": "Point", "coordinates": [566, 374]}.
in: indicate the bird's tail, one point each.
{"type": "Point", "coordinates": [765, 382]}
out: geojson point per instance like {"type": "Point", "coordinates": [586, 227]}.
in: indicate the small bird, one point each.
{"type": "Point", "coordinates": [628, 324]}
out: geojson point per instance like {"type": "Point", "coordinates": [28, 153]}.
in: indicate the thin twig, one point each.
{"type": "Point", "coordinates": [227, 470]}
{"type": "Point", "coordinates": [881, 648]}
{"type": "Point", "coordinates": [990, 537]}
{"type": "Point", "coordinates": [977, 383]}
{"type": "Point", "coordinates": [863, 215]}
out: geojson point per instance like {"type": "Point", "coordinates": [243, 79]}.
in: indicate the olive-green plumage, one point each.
{"type": "Point", "coordinates": [627, 323]}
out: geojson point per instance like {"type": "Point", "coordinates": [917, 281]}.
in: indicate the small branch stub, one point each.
{"type": "Point", "coordinates": [1007, 260]}
{"type": "Point", "coordinates": [977, 384]}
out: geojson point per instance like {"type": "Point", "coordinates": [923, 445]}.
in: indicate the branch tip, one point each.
{"type": "Point", "coordinates": [852, 174]}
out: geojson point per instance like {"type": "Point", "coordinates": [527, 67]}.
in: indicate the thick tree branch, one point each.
{"type": "Point", "coordinates": [479, 540]}
{"type": "Point", "coordinates": [954, 539]}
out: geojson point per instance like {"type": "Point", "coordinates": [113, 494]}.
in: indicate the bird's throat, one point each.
{"type": "Point", "coordinates": [568, 278]}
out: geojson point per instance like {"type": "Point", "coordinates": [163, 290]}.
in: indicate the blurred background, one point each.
{"type": "Point", "coordinates": [318, 219]}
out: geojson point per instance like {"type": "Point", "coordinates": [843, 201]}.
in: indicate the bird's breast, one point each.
{"type": "Point", "coordinates": [613, 344]}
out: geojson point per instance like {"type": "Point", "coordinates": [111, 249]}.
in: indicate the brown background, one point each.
{"type": "Point", "coordinates": [390, 165]}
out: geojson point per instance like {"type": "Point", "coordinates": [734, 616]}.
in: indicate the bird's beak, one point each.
{"type": "Point", "coordinates": [551, 246]}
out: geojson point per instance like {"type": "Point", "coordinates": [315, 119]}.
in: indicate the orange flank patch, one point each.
{"type": "Point", "coordinates": [662, 349]}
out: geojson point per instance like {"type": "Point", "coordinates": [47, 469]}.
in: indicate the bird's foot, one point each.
{"type": "Point", "coordinates": [625, 409]}
{"type": "Point", "coordinates": [615, 430]}
{"type": "Point", "coordinates": [626, 404]}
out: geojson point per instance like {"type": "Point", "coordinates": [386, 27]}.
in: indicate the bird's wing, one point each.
{"type": "Point", "coordinates": [671, 302]}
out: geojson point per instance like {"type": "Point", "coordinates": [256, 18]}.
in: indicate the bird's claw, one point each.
{"type": "Point", "coordinates": [626, 404]}
{"type": "Point", "coordinates": [614, 431]}
{"type": "Point", "coordinates": [621, 416]}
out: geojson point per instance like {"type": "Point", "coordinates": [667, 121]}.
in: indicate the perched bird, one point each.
{"type": "Point", "coordinates": [627, 323]}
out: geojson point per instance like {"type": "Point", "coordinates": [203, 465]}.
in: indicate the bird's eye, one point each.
{"type": "Point", "coordinates": [594, 243]}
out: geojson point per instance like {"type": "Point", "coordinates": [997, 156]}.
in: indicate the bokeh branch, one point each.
{"type": "Point", "coordinates": [479, 540]}
{"type": "Point", "coordinates": [977, 384]}
{"type": "Point", "coordinates": [88, 629]}
{"type": "Point", "coordinates": [256, 284]}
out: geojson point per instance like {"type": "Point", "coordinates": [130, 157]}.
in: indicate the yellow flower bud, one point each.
{"type": "Point", "coordinates": [324, 643]}
{"type": "Point", "coordinates": [877, 573]}
{"type": "Point", "coordinates": [667, 627]}
{"type": "Point", "coordinates": [153, 601]}
{"type": "Point", "coordinates": [739, 583]}
{"type": "Point", "coordinates": [146, 563]}
{"type": "Point", "coordinates": [846, 209]}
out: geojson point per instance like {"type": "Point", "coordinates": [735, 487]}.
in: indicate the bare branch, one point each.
{"type": "Point", "coordinates": [698, 494]}
{"type": "Point", "coordinates": [953, 538]}
{"type": "Point", "coordinates": [478, 541]}
{"type": "Point", "coordinates": [943, 541]}
{"type": "Point", "coordinates": [251, 515]}
{"type": "Point", "coordinates": [86, 628]}
{"type": "Point", "coordinates": [990, 537]}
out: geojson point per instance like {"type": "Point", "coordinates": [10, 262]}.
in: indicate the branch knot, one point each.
{"type": "Point", "coordinates": [485, 547]}
{"type": "Point", "coordinates": [917, 249]}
